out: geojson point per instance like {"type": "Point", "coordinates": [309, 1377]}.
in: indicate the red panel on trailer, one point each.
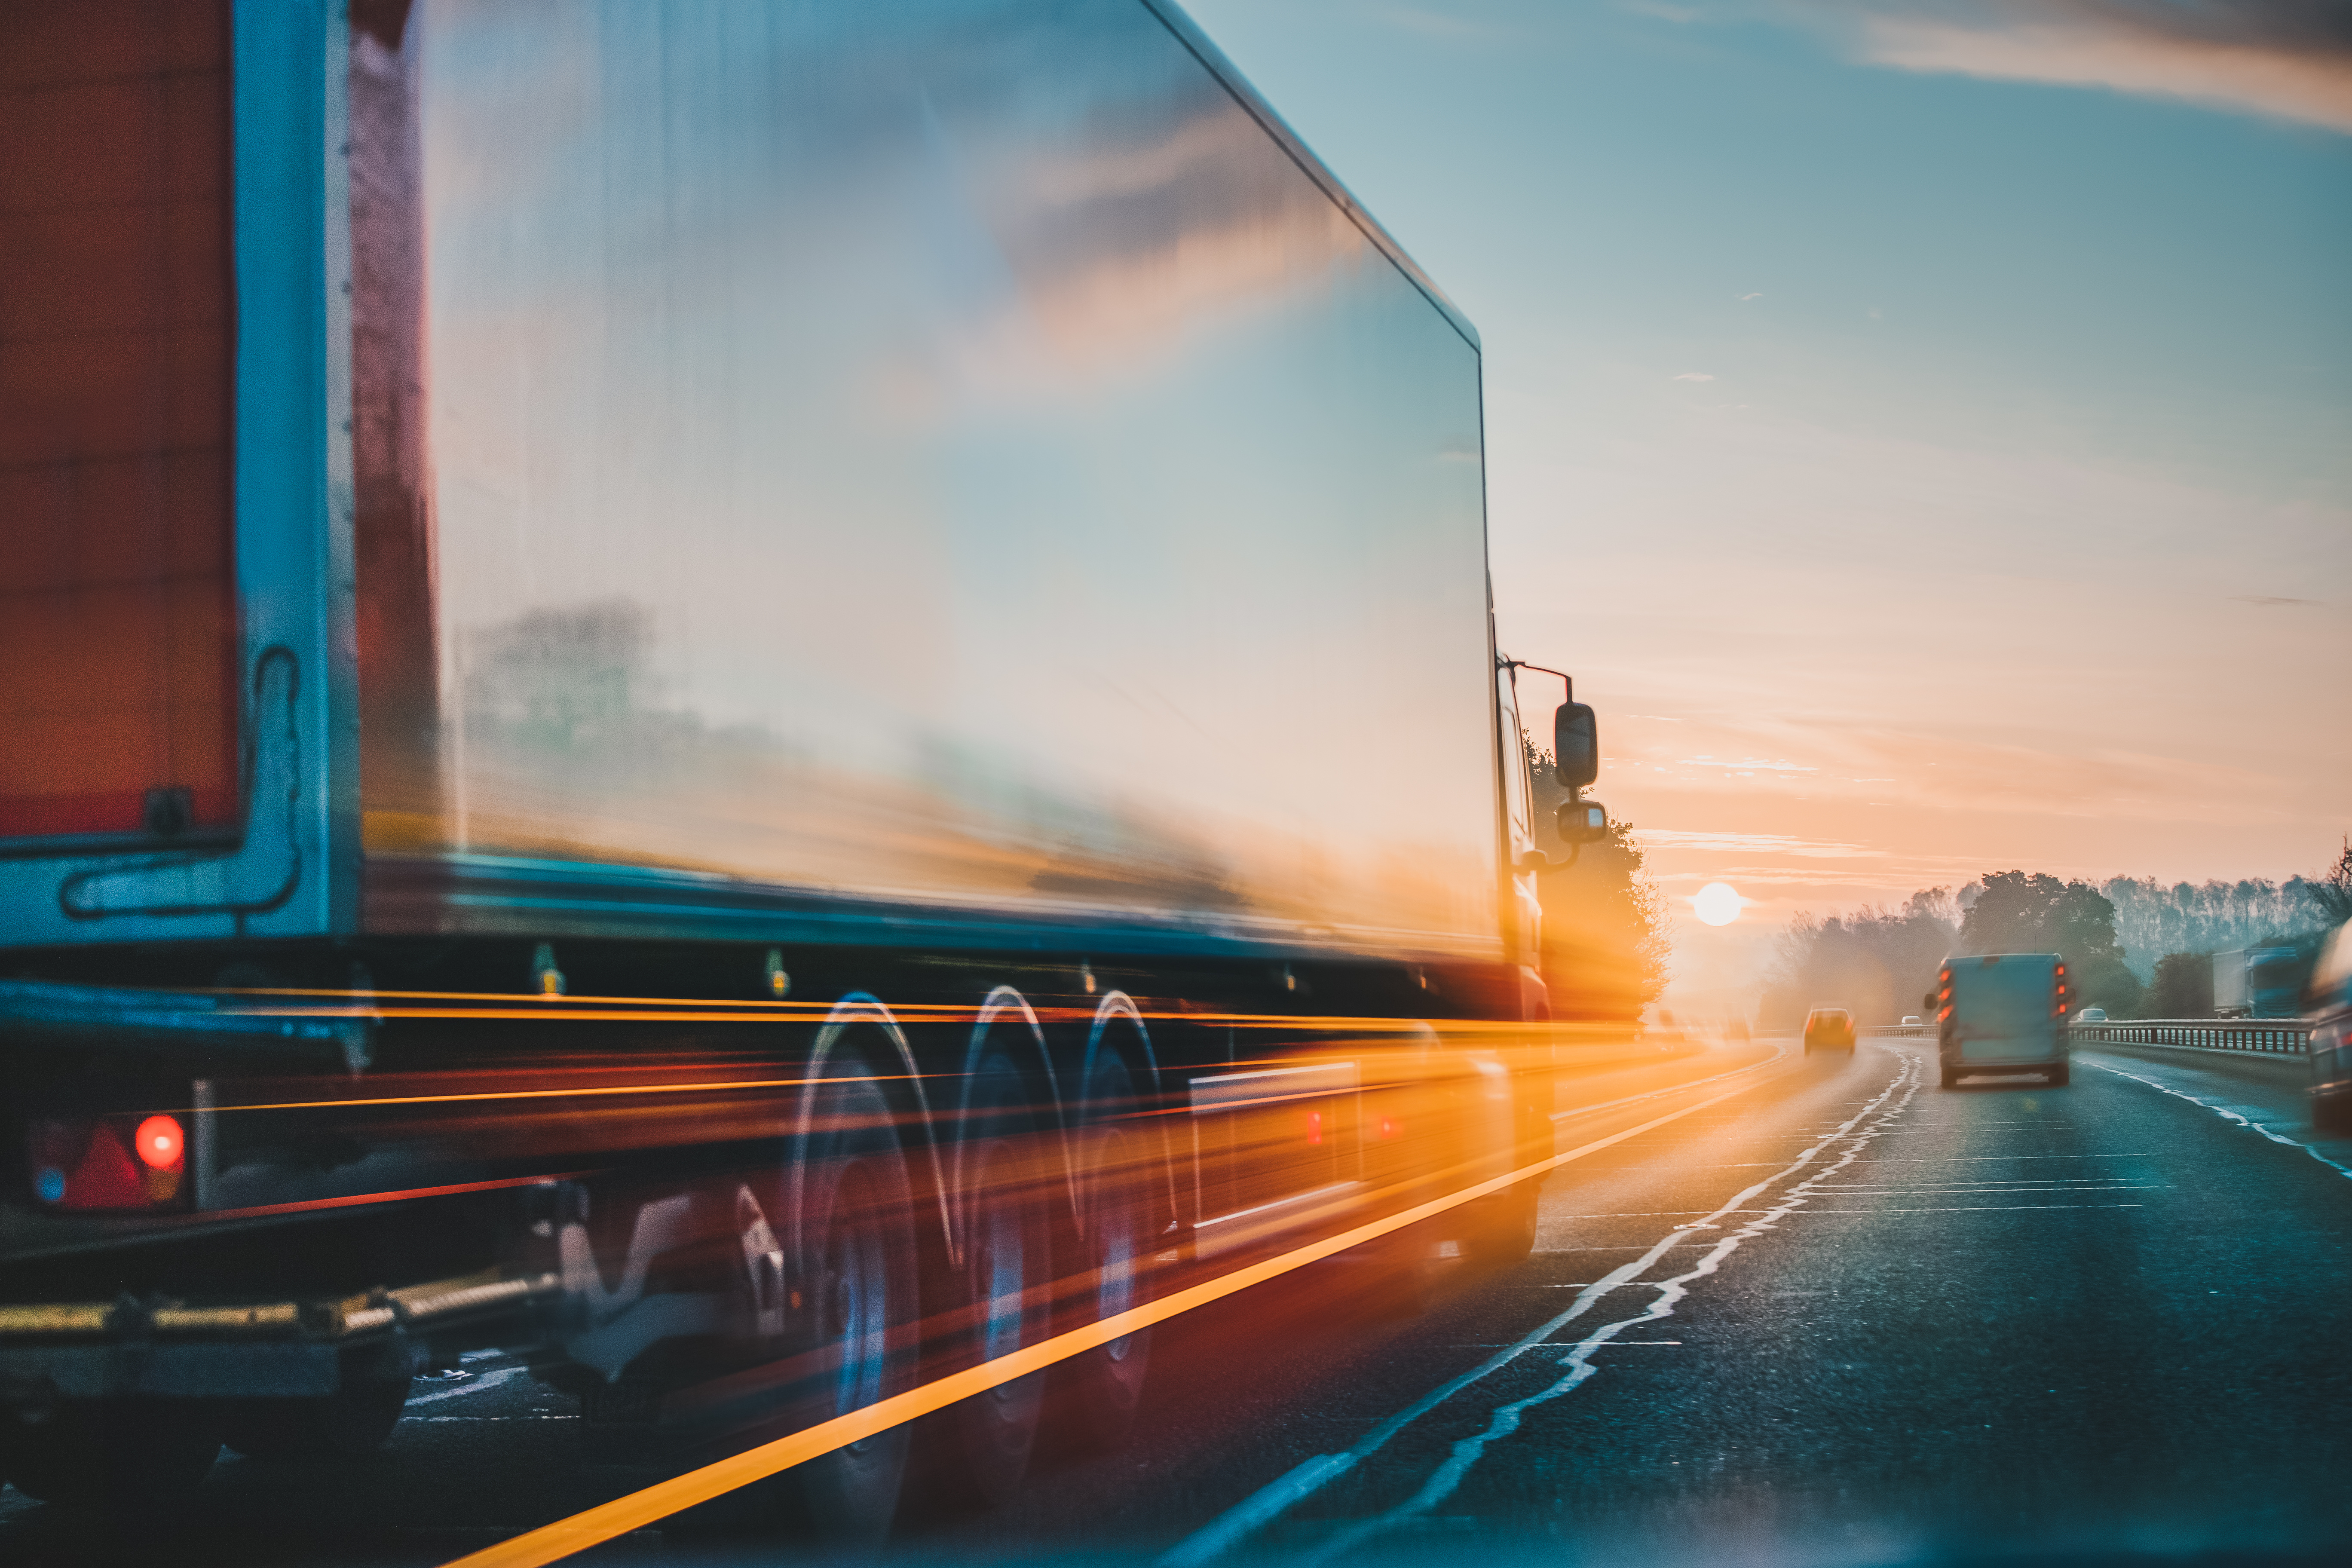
{"type": "Point", "coordinates": [117, 613]}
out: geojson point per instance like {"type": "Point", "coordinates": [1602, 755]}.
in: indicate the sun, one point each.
{"type": "Point", "coordinates": [1717, 903]}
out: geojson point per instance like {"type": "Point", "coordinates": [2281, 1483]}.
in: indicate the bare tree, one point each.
{"type": "Point", "coordinates": [2331, 891]}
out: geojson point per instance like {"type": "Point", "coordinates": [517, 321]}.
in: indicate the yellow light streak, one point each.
{"type": "Point", "coordinates": [551, 1542]}
{"type": "Point", "coordinates": [550, 1093]}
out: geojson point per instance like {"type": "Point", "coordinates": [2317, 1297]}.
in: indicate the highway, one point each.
{"type": "Point", "coordinates": [1809, 1311]}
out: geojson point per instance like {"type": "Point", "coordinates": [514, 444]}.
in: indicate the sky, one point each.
{"type": "Point", "coordinates": [1925, 430]}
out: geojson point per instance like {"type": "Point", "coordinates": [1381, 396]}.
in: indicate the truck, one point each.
{"type": "Point", "coordinates": [753, 702]}
{"type": "Point", "coordinates": [2258, 983]}
{"type": "Point", "coordinates": [2328, 1008]}
{"type": "Point", "coordinates": [2000, 1013]}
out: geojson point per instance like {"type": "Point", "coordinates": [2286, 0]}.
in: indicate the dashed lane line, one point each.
{"type": "Point", "coordinates": [1506, 1418]}
{"type": "Point", "coordinates": [1228, 1529]}
{"type": "Point", "coordinates": [2223, 1111]}
{"type": "Point", "coordinates": [1965, 1209]}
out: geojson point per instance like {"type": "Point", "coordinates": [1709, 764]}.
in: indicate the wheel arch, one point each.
{"type": "Point", "coordinates": [919, 1146]}
{"type": "Point", "coordinates": [1005, 1016]}
{"type": "Point", "coordinates": [1116, 1015]}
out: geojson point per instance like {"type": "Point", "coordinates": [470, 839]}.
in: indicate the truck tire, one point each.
{"type": "Point", "coordinates": [2061, 1074]}
{"type": "Point", "coordinates": [116, 1457]}
{"type": "Point", "coordinates": [855, 1215]}
{"type": "Point", "coordinates": [1951, 1076]}
{"type": "Point", "coordinates": [349, 1424]}
{"type": "Point", "coordinates": [1116, 1169]}
{"type": "Point", "coordinates": [1006, 1277]}
{"type": "Point", "coordinates": [1508, 1233]}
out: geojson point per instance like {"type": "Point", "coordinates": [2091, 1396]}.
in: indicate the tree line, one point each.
{"type": "Point", "coordinates": [2134, 947]}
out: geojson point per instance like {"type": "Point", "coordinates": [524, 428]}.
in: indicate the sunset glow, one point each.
{"type": "Point", "coordinates": [1897, 563]}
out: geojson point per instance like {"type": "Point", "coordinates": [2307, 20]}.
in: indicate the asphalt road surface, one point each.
{"type": "Point", "coordinates": [1821, 1313]}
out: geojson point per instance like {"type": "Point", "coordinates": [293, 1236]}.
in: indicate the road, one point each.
{"type": "Point", "coordinates": [1807, 1312]}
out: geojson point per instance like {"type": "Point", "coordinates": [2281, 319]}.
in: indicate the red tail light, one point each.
{"type": "Point", "coordinates": [99, 1163]}
{"type": "Point", "coordinates": [158, 1143]}
{"type": "Point", "coordinates": [1315, 1127]}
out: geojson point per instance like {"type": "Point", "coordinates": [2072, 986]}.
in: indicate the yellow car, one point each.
{"type": "Point", "coordinates": [1829, 1029]}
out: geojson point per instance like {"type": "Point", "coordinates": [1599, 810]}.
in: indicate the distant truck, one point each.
{"type": "Point", "coordinates": [2327, 1007]}
{"type": "Point", "coordinates": [2001, 1013]}
{"type": "Point", "coordinates": [2257, 982]}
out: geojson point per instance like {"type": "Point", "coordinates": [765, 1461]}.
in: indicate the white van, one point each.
{"type": "Point", "coordinates": [2003, 1013]}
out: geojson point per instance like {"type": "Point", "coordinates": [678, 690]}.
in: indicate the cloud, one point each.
{"type": "Point", "coordinates": [1751, 296]}
{"type": "Point", "coordinates": [1694, 376]}
{"type": "Point", "coordinates": [1751, 842]}
{"type": "Point", "coordinates": [1749, 764]}
{"type": "Point", "coordinates": [2271, 601]}
{"type": "Point", "coordinates": [2284, 59]}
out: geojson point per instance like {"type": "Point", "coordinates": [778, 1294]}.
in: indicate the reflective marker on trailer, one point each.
{"type": "Point", "coordinates": [158, 1142]}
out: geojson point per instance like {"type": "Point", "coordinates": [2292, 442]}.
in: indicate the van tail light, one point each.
{"type": "Point", "coordinates": [108, 1162]}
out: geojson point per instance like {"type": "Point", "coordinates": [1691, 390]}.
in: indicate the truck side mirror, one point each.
{"type": "Point", "coordinates": [1576, 743]}
{"type": "Point", "coordinates": [1583, 821]}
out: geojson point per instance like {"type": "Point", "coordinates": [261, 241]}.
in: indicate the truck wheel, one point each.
{"type": "Point", "coordinates": [2060, 1075]}
{"type": "Point", "coordinates": [117, 1455]}
{"type": "Point", "coordinates": [1115, 1169]}
{"type": "Point", "coordinates": [1508, 1233]}
{"type": "Point", "coordinates": [1008, 1265]}
{"type": "Point", "coordinates": [1951, 1076]}
{"type": "Point", "coordinates": [860, 1269]}
{"type": "Point", "coordinates": [350, 1424]}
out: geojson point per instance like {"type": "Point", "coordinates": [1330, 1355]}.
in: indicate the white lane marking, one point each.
{"type": "Point", "coordinates": [444, 1420]}
{"type": "Point", "coordinates": [1673, 1088]}
{"type": "Point", "coordinates": [1506, 1418]}
{"type": "Point", "coordinates": [1569, 1344]}
{"type": "Point", "coordinates": [2017, 1192]}
{"type": "Point", "coordinates": [1654, 1214]}
{"type": "Point", "coordinates": [2224, 1111]}
{"type": "Point", "coordinates": [1983, 1159]}
{"type": "Point", "coordinates": [487, 1380]}
{"type": "Point", "coordinates": [1214, 1539]}
{"type": "Point", "coordinates": [1260, 1508]}
{"type": "Point", "coordinates": [1972, 1209]}
{"type": "Point", "coordinates": [1613, 1247]}
{"type": "Point", "coordinates": [1986, 1190]}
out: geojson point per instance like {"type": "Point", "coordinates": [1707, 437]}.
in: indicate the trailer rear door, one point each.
{"type": "Point", "coordinates": [2004, 1008]}
{"type": "Point", "coordinates": [118, 614]}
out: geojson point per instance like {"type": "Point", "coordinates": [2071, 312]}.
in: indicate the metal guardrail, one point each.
{"type": "Point", "coordinates": [2264, 1036]}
